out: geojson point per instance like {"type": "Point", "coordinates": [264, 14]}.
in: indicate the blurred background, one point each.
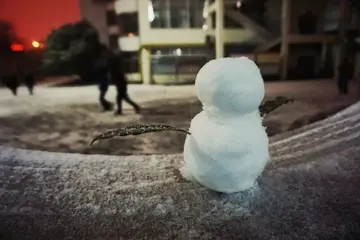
{"type": "Point", "coordinates": [167, 41]}
{"type": "Point", "coordinates": [299, 46]}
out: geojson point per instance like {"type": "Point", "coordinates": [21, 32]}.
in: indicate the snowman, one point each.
{"type": "Point", "coordinates": [228, 146]}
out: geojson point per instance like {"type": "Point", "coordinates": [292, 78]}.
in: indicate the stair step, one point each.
{"type": "Point", "coordinates": [267, 45]}
{"type": "Point", "coordinates": [249, 23]}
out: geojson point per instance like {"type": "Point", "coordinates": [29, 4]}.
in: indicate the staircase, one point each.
{"type": "Point", "coordinates": [268, 45]}
{"type": "Point", "coordinates": [249, 24]}
{"type": "Point", "coordinates": [268, 62]}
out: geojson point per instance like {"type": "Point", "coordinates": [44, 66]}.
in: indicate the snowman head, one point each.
{"type": "Point", "coordinates": [230, 86]}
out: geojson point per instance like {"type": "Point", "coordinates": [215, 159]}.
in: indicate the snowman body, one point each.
{"type": "Point", "coordinates": [228, 146]}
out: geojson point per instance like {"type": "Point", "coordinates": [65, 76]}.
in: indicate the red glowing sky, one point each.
{"type": "Point", "coordinates": [34, 19]}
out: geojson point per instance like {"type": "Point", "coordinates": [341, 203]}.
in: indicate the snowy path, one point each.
{"type": "Point", "coordinates": [309, 191]}
{"type": "Point", "coordinates": [50, 97]}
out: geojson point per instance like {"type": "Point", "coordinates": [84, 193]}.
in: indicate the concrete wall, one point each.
{"type": "Point", "coordinates": [95, 12]}
{"type": "Point", "coordinates": [126, 6]}
{"type": "Point", "coordinates": [130, 44]}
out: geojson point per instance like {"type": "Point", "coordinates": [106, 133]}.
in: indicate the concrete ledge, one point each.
{"type": "Point", "coordinates": [309, 191]}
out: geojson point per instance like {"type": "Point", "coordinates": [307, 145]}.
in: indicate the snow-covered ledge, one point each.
{"type": "Point", "coordinates": [309, 191]}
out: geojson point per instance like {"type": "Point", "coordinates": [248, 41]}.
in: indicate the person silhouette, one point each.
{"type": "Point", "coordinates": [100, 73]}
{"type": "Point", "coordinates": [11, 82]}
{"type": "Point", "coordinates": [118, 77]}
{"type": "Point", "coordinates": [346, 70]}
{"type": "Point", "coordinates": [29, 81]}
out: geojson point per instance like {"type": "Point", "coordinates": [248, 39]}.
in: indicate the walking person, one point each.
{"type": "Point", "coordinates": [346, 70]}
{"type": "Point", "coordinates": [101, 72]}
{"type": "Point", "coordinates": [30, 83]}
{"type": "Point", "coordinates": [11, 82]}
{"type": "Point", "coordinates": [117, 74]}
{"type": "Point", "coordinates": [103, 81]}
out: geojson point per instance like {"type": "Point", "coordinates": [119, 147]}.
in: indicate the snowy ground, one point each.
{"type": "Point", "coordinates": [309, 191]}
{"type": "Point", "coordinates": [47, 98]}
{"type": "Point", "coordinates": [64, 119]}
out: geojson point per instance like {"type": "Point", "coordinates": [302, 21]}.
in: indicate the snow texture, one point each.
{"type": "Point", "coordinates": [48, 98]}
{"type": "Point", "coordinates": [308, 191]}
{"type": "Point", "coordinates": [228, 146]}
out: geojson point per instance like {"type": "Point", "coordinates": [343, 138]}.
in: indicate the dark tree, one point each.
{"type": "Point", "coordinates": [8, 58]}
{"type": "Point", "coordinates": [72, 49]}
{"type": "Point", "coordinates": [7, 36]}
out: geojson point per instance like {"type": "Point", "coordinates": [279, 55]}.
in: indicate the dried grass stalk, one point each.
{"type": "Point", "coordinates": [269, 106]}
{"type": "Point", "coordinates": [135, 130]}
{"type": "Point", "coordinates": [265, 108]}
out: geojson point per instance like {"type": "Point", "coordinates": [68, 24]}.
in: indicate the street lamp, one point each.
{"type": "Point", "coordinates": [35, 44]}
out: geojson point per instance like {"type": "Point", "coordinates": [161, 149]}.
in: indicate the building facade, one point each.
{"type": "Point", "coordinates": [102, 16]}
{"type": "Point", "coordinates": [168, 41]}
{"type": "Point", "coordinates": [164, 41]}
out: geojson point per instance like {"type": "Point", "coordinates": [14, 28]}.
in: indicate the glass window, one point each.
{"type": "Point", "coordinates": [196, 14]}
{"type": "Point", "coordinates": [180, 51]}
{"type": "Point", "coordinates": [129, 23]}
{"type": "Point", "coordinates": [177, 60]}
{"type": "Point", "coordinates": [161, 51]}
{"type": "Point", "coordinates": [177, 64]}
{"type": "Point", "coordinates": [161, 14]}
{"type": "Point", "coordinates": [163, 65]}
{"type": "Point", "coordinates": [190, 64]}
{"type": "Point", "coordinates": [176, 13]}
{"type": "Point", "coordinates": [179, 14]}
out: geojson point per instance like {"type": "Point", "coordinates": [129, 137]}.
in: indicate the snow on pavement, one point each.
{"type": "Point", "coordinates": [309, 191]}
{"type": "Point", "coordinates": [50, 97]}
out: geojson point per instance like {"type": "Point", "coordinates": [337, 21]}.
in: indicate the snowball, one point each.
{"type": "Point", "coordinates": [230, 86]}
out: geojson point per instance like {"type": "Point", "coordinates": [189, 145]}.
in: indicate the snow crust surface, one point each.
{"type": "Point", "coordinates": [308, 191]}
{"type": "Point", "coordinates": [228, 146]}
